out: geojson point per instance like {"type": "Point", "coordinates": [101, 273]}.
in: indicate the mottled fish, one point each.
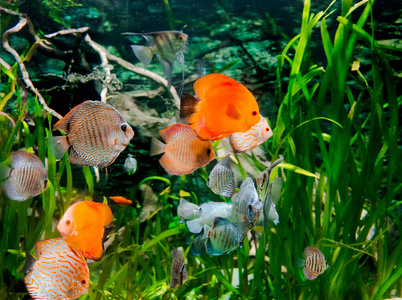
{"type": "Point", "coordinates": [187, 210]}
{"type": "Point", "coordinates": [59, 272]}
{"type": "Point", "coordinates": [223, 237]}
{"type": "Point", "coordinates": [82, 227]}
{"type": "Point", "coordinates": [130, 164]}
{"type": "Point", "coordinates": [223, 106]}
{"type": "Point", "coordinates": [256, 135]}
{"type": "Point", "coordinates": [179, 271]}
{"type": "Point", "coordinates": [248, 207]}
{"type": "Point", "coordinates": [184, 152]}
{"type": "Point", "coordinates": [314, 263]}
{"type": "Point", "coordinates": [221, 179]}
{"type": "Point", "coordinates": [26, 178]}
{"type": "Point", "coordinates": [96, 134]}
{"type": "Point", "coordinates": [209, 211]}
{"type": "Point", "coordinates": [168, 46]}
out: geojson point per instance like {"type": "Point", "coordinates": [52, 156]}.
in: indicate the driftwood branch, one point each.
{"type": "Point", "coordinates": [67, 31]}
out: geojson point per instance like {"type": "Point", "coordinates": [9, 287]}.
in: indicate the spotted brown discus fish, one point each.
{"type": "Point", "coordinates": [314, 263]}
{"type": "Point", "coordinates": [26, 178]}
{"type": "Point", "coordinates": [179, 271]}
{"type": "Point", "coordinates": [59, 272]}
{"type": "Point", "coordinates": [96, 134]}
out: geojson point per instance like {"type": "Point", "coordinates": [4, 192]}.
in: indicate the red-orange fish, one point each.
{"type": "Point", "coordinates": [184, 152]}
{"type": "Point", "coordinates": [59, 272]}
{"type": "Point", "coordinates": [96, 134]}
{"type": "Point", "coordinates": [121, 200]}
{"type": "Point", "coordinates": [223, 106]}
{"type": "Point", "coordinates": [82, 227]}
{"type": "Point", "coordinates": [26, 178]}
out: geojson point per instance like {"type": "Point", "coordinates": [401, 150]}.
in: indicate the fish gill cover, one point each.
{"type": "Point", "coordinates": [324, 75]}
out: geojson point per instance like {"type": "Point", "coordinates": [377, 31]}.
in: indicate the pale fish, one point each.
{"type": "Point", "coordinates": [187, 210]}
{"type": "Point", "coordinates": [209, 211]}
{"type": "Point", "coordinates": [59, 272]}
{"type": "Point", "coordinates": [26, 178]}
{"type": "Point", "coordinates": [221, 179]}
{"type": "Point", "coordinates": [314, 263]}
{"type": "Point", "coordinates": [179, 271]}
{"type": "Point", "coordinates": [130, 164]}
{"type": "Point", "coordinates": [223, 237]}
{"type": "Point", "coordinates": [256, 135]}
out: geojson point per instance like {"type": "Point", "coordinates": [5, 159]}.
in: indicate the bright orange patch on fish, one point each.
{"type": "Point", "coordinates": [224, 106]}
{"type": "Point", "coordinates": [121, 200]}
{"type": "Point", "coordinates": [82, 227]}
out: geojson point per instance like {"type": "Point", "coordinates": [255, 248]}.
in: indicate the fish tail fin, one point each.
{"type": "Point", "coordinates": [300, 263]}
{"type": "Point", "coordinates": [143, 53]}
{"type": "Point", "coordinates": [29, 263]}
{"type": "Point", "coordinates": [157, 147]}
{"type": "Point", "coordinates": [58, 145]}
{"type": "Point", "coordinates": [188, 105]}
{"type": "Point", "coordinates": [4, 171]}
{"type": "Point", "coordinates": [195, 226]}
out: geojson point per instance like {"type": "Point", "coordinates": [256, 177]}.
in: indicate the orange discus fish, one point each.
{"type": "Point", "coordinates": [96, 133]}
{"type": "Point", "coordinates": [256, 135]}
{"type": "Point", "coordinates": [59, 272]}
{"type": "Point", "coordinates": [224, 106]}
{"type": "Point", "coordinates": [184, 152]}
{"type": "Point", "coordinates": [314, 263]}
{"type": "Point", "coordinates": [82, 227]}
{"type": "Point", "coordinates": [121, 200]}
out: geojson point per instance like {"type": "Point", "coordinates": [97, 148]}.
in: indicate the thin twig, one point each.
{"type": "Point", "coordinates": [67, 31]}
{"type": "Point", "coordinates": [11, 119]}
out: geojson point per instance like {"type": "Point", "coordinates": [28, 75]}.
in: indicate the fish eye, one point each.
{"type": "Point", "coordinates": [83, 281]}
{"type": "Point", "coordinates": [123, 127]}
{"type": "Point", "coordinates": [208, 151]}
{"type": "Point", "coordinates": [45, 181]}
{"type": "Point", "coordinates": [68, 222]}
{"type": "Point", "coordinates": [254, 113]}
{"type": "Point", "coordinates": [266, 129]}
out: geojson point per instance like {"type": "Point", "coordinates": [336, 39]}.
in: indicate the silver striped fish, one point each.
{"type": "Point", "coordinates": [26, 178]}
{"type": "Point", "coordinates": [256, 135]}
{"type": "Point", "coordinates": [96, 134]}
{"type": "Point", "coordinates": [223, 237]}
{"type": "Point", "coordinates": [179, 271]}
{"type": "Point", "coordinates": [58, 273]}
{"type": "Point", "coordinates": [314, 263]}
{"type": "Point", "coordinates": [221, 179]}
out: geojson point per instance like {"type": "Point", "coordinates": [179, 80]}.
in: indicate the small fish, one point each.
{"type": "Point", "coordinates": [223, 237]}
{"type": "Point", "coordinates": [314, 263]}
{"type": "Point", "coordinates": [198, 246]}
{"type": "Point", "coordinates": [168, 46]}
{"type": "Point", "coordinates": [121, 200]}
{"type": "Point", "coordinates": [221, 179]}
{"type": "Point", "coordinates": [179, 271]}
{"type": "Point", "coordinates": [82, 227]}
{"type": "Point", "coordinates": [256, 135]}
{"type": "Point", "coordinates": [26, 178]}
{"type": "Point", "coordinates": [130, 164]}
{"type": "Point", "coordinates": [187, 210]}
{"type": "Point", "coordinates": [59, 272]}
{"type": "Point", "coordinates": [248, 207]}
{"type": "Point", "coordinates": [96, 134]}
{"type": "Point", "coordinates": [223, 106]}
{"type": "Point", "coordinates": [209, 211]}
{"type": "Point", "coordinates": [184, 152]}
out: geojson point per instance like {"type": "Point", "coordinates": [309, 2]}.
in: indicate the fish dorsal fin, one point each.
{"type": "Point", "coordinates": [232, 112]}
{"type": "Point", "coordinates": [188, 105]}
{"type": "Point", "coordinates": [106, 213]}
{"type": "Point", "coordinates": [29, 264]}
{"type": "Point", "coordinates": [167, 133]}
{"type": "Point", "coordinates": [225, 161]}
{"type": "Point", "coordinates": [63, 123]}
{"type": "Point", "coordinates": [157, 147]}
{"type": "Point", "coordinates": [219, 221]}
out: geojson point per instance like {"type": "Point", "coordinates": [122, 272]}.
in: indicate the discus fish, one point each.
{"type": "Point", "coordinates": [168, 47]}
{"type": "Point", "coordinates": [187, 210]}
{"type": "Point", "coordinates": [121, 200]}
{"type": "Point", "coordinates": [209, 211]}
{"type": "Point", "coordinates": [96, 134]}
{"type": "Point", "coordinates": [26, 178]}
{"type": "Point", "coordinates": [184, 152]}
{"type": "Point", "coordinates": [130, 164]}
{"type": "Point", "coordinates": [223, 106]}
{"type": "Point", "coordinates": [221, 179]}
{"type": "Point", "coordinates": [256, 135]}
{"type": "Point", "coordinates": [248, 207]}
{"type": "Point", "coordinates": [82, 227]}
{"type": "Point", "coordinates": [223, 237]}
{"type": "Point", "coordinates": [59, 272]}
{"type": "Point", "coordinates": [314, 263]}
{"type": "Point", "coordinates": [198, 246]}
{"type": "Point", "coordinates": [179, 271]}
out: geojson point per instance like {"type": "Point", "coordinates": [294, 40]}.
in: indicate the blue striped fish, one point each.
{"type": "Point", "coordinates": [59, 272]}
{"type": "Point", "coordinates": [223, 237]}
{"type": "Point", "coordinates": [221, 179]}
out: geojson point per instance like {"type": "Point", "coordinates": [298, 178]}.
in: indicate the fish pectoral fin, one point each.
{"type": "Point", "coordinates": [300, 262]}
{"type": "Point", "coordinates": [157, 147]}
{"type": "Point", "coordinates": [188, 105]}
{"type": "Point", "coordinates": [232, 112]}
{"type": "Point", "coordinates": [167, 66]}
{"type": "Point", "coordinates": [58, 145]}
{"type": "Point", "coordinates": [194, 226]}
{"type": "Point", "coordinates": [143, 53]}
